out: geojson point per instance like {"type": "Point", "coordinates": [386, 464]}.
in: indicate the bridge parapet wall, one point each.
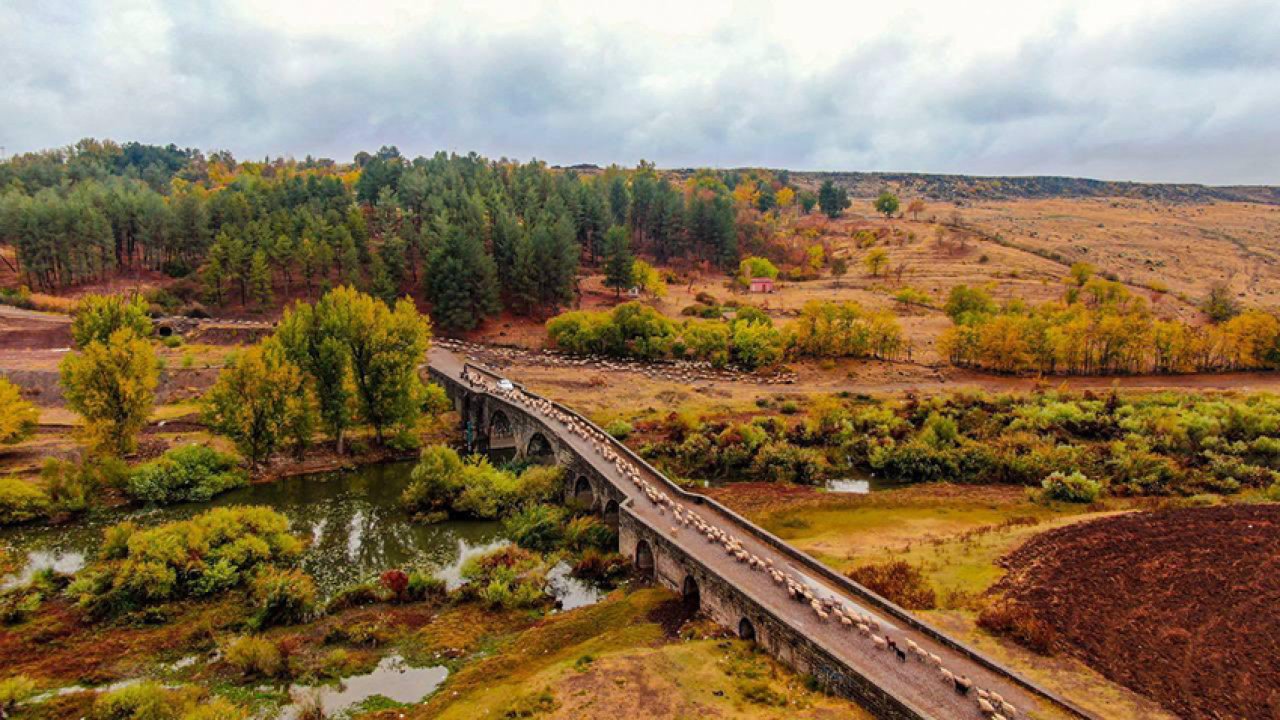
{"type": "Point", "coordinates": [723, 599]}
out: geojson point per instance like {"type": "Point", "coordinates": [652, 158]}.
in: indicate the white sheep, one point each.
{"type": "Point", "coordinates": [947, 675]}
{"type": "Point", "coordinates": [864, 629]}
{"type": "Point", "coordinates": [881, 643]}
{"type": "Point", "coordinates": [985, 706]}
{"type": "Point", "coordinates": [674, 530]}
{"type": "Point", "coordinates": [1008, 709]}
{"type": "Point", "coordinates": [935, 660]}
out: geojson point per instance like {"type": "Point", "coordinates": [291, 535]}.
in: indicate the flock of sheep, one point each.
{"type": "Point", "coordinates": [990, 704]}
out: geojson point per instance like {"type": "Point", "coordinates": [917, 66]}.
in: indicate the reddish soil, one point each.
{"type": "Point", "coordinates": [1180, 605]}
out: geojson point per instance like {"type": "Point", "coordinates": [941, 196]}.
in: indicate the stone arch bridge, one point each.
{"type": "Point", "coordinates": [744, 597]}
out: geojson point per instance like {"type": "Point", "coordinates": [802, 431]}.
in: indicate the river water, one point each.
{"type": "Point", "coordinates": [353, 518]}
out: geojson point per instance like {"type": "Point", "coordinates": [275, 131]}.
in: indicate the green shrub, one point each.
{"type": "Point", "coordinates": [619, 429]}
{"type": "Point", "coordinates": [283, 597]}
{"type": "Point", "coordinates": [212, 552]}
{"type": "Point", "coordinates": [587, 531]}
{"type": "Point", "coordinates": [537, 527]}
{"type": "Point", "coordinates": [14, 690]}
{"type": "Point", "coordinates": [444, 482]}
{"type": "Point", "coordinates": [600, 566]}
{"type": "Point", "coordinates": [366, 633]}
{"type": "Point", "coordinates": [403, 442]}
{"type": "Point", "coordinates": [21, 501]}
{"type": "Point", "coordinates": [1074, 487]}
{"type": "Point", "coordinates": [71, 486]}
{"type": "Point", "coordinates": [1273, 492]}
{"type": "Point", "coordinates": [424, 586]}
{"type": "Point", "coordinates": [365, 593]}
{"type": "Point", "coordinates": [216, 709]}
{"type": "Point", "coordinates": [144, 701]}
{"type": "Point", "coordinates": [17, 606]}
{"type": "Point", "coordinates": [191, 473]}
{"type": "Point", "coordinates": [255, 656]}
{"type": "Point", "coordinates": [508, 577]}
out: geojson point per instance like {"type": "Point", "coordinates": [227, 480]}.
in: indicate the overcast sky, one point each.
{"type": "Point", "coordinates": [1175, 91]}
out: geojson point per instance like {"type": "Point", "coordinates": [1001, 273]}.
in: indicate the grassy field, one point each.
{"type": "Point", "coordinates": [616, 660]}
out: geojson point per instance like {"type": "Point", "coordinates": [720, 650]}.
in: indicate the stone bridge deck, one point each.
{"type": "Point", "coordinates": [747, 600]}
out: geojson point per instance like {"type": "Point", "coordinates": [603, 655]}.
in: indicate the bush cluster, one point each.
{"type": "Point", "coordinates": [191, 473]}
{"type": "Point", "coordinates": [1071, 487]}
{"type": "Point", "coordinates": [153, 701]}
{"type": "Point", "coordinates": [748, 340]}
{"type": "Point", "coordinates": [898, 581]}
{"type": "Point", "coordinates": [508, 578]}
{"type": "Point", "coordinates": [1155, 444]}
{"type": "Point", "coordinates": [21, 501]}
{"type": "Point", "coordinates": [446, 484]}
{"type": "Point", "coordinates": [215, 551]}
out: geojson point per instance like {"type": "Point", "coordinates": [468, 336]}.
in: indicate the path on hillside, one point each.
{"type": "Point", "coordinates": [915, 682]}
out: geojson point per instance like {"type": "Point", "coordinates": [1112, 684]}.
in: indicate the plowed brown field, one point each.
{"type": "Point", "coordinates": [1180, 605]}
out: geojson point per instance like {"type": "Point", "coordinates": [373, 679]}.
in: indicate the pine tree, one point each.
{"type": "Point", "coordinates": [619, 201]}
{"type": "Point", "coordinates": [380, 284]}
{"type": "Point", "coordinates": [525, 277]}
{"type": "Point", "coordinates": [618, 260]}
{"type": "Point", "coordinates": [461, 281]}
{"type": "Point", "coordinates": [260, 278]}
{"type": "Point", "coordinates": [239, 259]}
{"type": "Point", "coordinates": [215, 272]}
{"type": "Point", "coordinates": [284, 255]}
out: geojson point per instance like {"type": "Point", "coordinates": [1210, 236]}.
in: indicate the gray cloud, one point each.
{"type": "Point", "coordinates": [1174, 94]}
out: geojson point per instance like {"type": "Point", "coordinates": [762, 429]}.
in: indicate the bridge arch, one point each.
{"type": "Point", "coordinates": [746, 630]}
{"type": "Point", "coordinates": [583, 494]}
{"type": "Point", "coordinates": [644, 560]}
{"type": "Point", "coordinates": [502, 435]}
{"type": "Point", "coordinates": [538, 447]}
{"type": "Point", "coordinates": [690, 593]}
{"type": "Point", "coordinates": [611, 514]}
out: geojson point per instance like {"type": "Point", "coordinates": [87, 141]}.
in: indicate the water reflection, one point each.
{"type": "Point", "coordinates": [857, 484]}
{"type": "Point", "coordinates": [356, 526]}
{"type": "Point", "coordinates": [392, 679]}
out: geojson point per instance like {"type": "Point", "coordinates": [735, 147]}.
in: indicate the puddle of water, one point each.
{"type": "Point", "coordinates": [572, 592]}
{"type": "Point", "coordinates": [392, 678]}
{"type": "Point", "coordinates": [847, 485]}
{"type": "Point", "coordinates": [857, 484]}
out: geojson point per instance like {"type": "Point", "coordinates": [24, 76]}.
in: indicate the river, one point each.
{"type": "Point", "coordinates": [353, 519]}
